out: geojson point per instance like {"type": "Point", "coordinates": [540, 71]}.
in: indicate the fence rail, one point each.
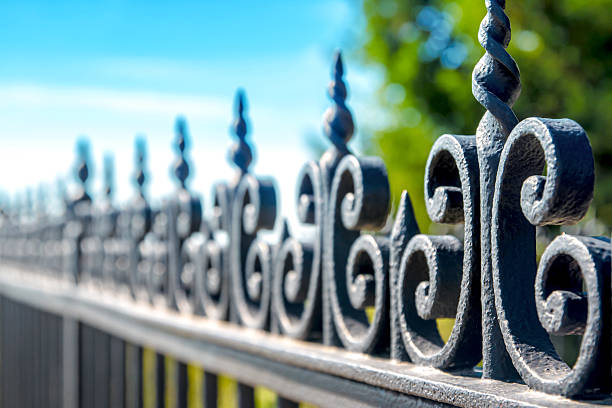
{"type": "Point", "coordinates": [345, 316]}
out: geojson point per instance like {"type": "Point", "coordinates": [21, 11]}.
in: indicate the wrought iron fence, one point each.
{"type": "Point", "coordinates": [347, 317]}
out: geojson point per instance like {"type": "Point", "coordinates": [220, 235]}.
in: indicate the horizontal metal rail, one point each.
{"type": "Point", "coordinates": [298, 370]}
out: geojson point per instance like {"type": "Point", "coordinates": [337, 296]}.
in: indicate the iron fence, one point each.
{"type": "Point", "coordinates": [346, 317]}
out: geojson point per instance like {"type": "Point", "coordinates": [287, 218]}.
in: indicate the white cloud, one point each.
{"type": "Point", "coordinates": [29, 96]}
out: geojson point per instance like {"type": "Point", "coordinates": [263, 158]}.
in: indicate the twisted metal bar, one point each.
{"type": "Point", "coordinates": [496, 83]}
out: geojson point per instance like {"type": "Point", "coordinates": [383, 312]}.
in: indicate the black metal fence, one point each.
{"type": "Point", "coordinates": [346, 317]}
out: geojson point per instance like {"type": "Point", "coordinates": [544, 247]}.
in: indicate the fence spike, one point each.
{"type": "Point", "coordinates": [240, 153]}
{"type": "Point", "coordinates": [82, 169]}
{"type": "Point", "coordinates": [140, 147]}
{"type": "Point", "coordinates": [338, 122]}
{"type": "Point", "coordinates": [181, 166]}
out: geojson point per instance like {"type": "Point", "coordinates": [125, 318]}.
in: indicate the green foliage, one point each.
{"type": "Point", "coordinates": [428, 48]}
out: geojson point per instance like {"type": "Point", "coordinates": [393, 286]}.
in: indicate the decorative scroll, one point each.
{"type": "Point", "coordinates": [253, 208]}
{"type": "Point", "coordinates": [112, 271]}
{"type": "Point", "coordinates": [137, 225]}
{"type": "Point", "coordinates": [297, 273]}
{"type": "Point", "coordinates": [357, 265]}
{"type": "Point", "coordinates": [523, 199]}
{"type": "Point", "coordinates": [298, 283]}
{"type": "Point", "coordinates": [184, 215]}
{"type": "Point", "coordinates": [212, 266]}
{"type": "Point", "coordinates": [438, 276]}
{"type": "Point", "coordinates": [77, 217]}
{"type": "Point", "coordinates": [154, 253]}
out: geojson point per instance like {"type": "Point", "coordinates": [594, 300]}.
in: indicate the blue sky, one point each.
{"type": "Point", "coordinates": [111, 70]}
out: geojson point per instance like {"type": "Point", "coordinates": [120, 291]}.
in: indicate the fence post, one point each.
{"type": "Point", "coordinates": [71, 343]}
{"type": "Point", "coordinates": [133, 376]}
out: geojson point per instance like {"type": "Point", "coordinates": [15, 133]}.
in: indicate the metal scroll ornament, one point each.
{"type": "Point", "coordinates": [253, 208]}
{"type": "Point", "coordinates": [523, 199]}
{"type": "Point", "coordinates": [212, 261]}
{"type": "Point", "coordinates": [355, 265]}
{"type": "Point", "coordinates": [437, 276]}
{"type": "Point", "coordinates": [515, 197]}
{"type": "Point", "coordinates": [78, 218]}
{"type": "Point", "coordinates": [166, 261]}
{"type": "Point", "coordinates": [154, 254]}
{"type": "Point", "coordinates": [216, 264]}
{"type": "Point", "coordinates": [297, 267]}
{"type": "Point", "coordinates": [136, 225]}
{"type": "Point", "coordinates": [298, 283]}
{"type": "Point", "coordinates": [184, 215]}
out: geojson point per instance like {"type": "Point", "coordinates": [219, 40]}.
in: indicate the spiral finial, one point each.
{"type": "Point", "coordinates": [496, 83]}
{"type": "Point", "coordinates": [82, 169]}
{"type": "Point", "coordinates": [240, 153]}
{"type": "Point", "coordinates": [181, 167]}
{"type": "Point", "coordinates": [109, 175]}
{"type": "Point", "coordinates": [338, 120]}
{"type": "Point", "coordinates": [140, 148]}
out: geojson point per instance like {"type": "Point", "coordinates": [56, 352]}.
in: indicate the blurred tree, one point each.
{"type": "Point", "coordinates": [427, 49]}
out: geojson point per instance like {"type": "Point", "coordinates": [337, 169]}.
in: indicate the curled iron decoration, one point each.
{"type": "Point", "coordinates": [154, 253]}
{"type": "Point", "coordinates": [253, 208]}
{"type": "Point", "coordinates": [355, 264]}
{"type": "Point", "coordinates": [496, 86]}
{"type": "Point", "coordinates": [438, 276]}
{"type": "Point", "coordinates": [113, 270]}
{"type": "Point", "coordinates": [184, 215]}
{"type": "Point", "coordinates": [136, 225]}
{"type": "Point", "coordinates": [78, 218]}
{"type": "Point", "coordinates": [297, 265]}
{"type": "Point", "coordinates": [98, 246]}
{"type": "Point", "coordinates": [212, 253]}
{"type": "Point", "coordinates": [338, 127]}
{"type": "Point", "coordinates": [211, 256]}
{"type": "Point", "coordinates": [212, 281]}
{"type": "Point", "coordinates": [523, 199]}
